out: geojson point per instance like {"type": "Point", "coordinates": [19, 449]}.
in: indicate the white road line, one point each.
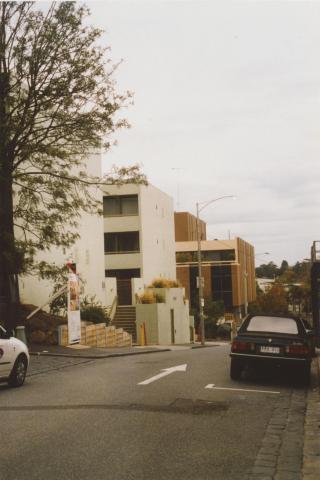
{"type": "Point", "coordinates": [165, 372]}
{"type": "Point", "coordinates": [213, 387]}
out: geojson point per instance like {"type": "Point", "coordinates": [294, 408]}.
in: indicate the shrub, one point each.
{"type": "Point", "coordinates": [93, 311]}
{"type": "Point", "coordinates": [159, 298]}
{"type": "Point", "coordinates": [150, 297]}
{"type": "Point", "coordinates": [164, 283]}
{"type": "Point", "coordinates": [147, 297]}
{"type": "Point", "coordinates": [224, 331]}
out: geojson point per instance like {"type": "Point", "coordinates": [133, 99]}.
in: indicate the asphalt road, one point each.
{"type": "Point", "coordinates": [92, 420]}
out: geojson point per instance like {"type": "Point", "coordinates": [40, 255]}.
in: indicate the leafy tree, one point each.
{"type": "Point", "coordinates": [267, 270]}
{"type": "Point", "coordinates": [299, 297]}
{"type": "Point", "coordinates": [273, 301]}
{"type": "Point", "coordinates": [284, 267]}
{"type": "Point", "coordinates": [212, 310]}
{"type": "Point", "coordinates": [295, 296]}
{"type": "Point", "coordinates": [58, 102]}
{"type": "Point", "coordinates": [288, 277]}
{"type": "Point", "coordinates": [258, 289]}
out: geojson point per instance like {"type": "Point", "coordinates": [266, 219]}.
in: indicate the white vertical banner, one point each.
{"type": "Point", "coordinates": [74, 322]}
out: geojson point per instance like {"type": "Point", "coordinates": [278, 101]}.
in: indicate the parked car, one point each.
{"type": "Point", "coordinates": [14, 359]}
{"type": "Point", "coordinates": [272, 340]}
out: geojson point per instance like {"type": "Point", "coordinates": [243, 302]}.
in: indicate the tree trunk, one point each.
{"type": "Point", "coordinates": [9, 290]}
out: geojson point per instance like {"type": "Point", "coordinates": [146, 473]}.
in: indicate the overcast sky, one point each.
{"type": "Point", "coordinates": [227, 102]}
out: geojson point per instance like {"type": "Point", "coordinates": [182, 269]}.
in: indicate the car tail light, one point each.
{"type": "Point", "coordinates": [297, 349]}
{"type": "Point", "coordinates": [238, 346]}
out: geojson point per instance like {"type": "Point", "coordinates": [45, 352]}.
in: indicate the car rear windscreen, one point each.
{"type": "Point", "coordinates": [273, 325]}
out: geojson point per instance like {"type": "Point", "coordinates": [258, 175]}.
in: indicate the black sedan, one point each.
{"type": "Point", "coordinates": [272, 340]}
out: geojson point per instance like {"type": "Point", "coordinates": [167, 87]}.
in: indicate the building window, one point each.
{"type": "Point", "coordinates": [121, 242]}
{"type": "Point", "coordinates": [124, 273]}
{"type": "Point", "coordinates": [120, 205]}
{"type": "Point", "coordinates": [221, 281]}
{"type": "Point", "coordinates": [206, 256]}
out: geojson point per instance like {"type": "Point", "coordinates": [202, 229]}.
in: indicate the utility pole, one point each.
{"type": "Point", "coordinates": [200, 280]}
{"type": "Point", "coordinates": [245, 289]}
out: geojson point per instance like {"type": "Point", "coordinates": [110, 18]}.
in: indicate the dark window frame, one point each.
{"type": "Point", "coordinates": [207, 256]}
{"type": "Point", "coordinates": [117, 239]}
{"type": "Point", "coordinates": [120, 199]}
{"type": "Point", "coordinates": [221, 284]}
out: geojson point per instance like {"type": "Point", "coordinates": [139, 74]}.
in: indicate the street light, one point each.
{"type": "Point", "coordinates": [200, 207]}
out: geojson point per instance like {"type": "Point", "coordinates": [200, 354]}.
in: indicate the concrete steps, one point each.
{"type": "Point", "coordinates": [125, 318]}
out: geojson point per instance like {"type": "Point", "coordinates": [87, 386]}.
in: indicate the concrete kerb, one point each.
{"type": "Point", "coordinates": [96, 357]}
{"type": "Point", "coordinates": [92, 356]}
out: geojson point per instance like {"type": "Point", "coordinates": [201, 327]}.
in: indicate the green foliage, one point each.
{"type": "Point", "coordinates": [159, 298]}
{"type": "Point", "coordinates": [267, 270]}
{"type": "Point", "coordinates": [58, 104]}
{"type": "Point", "coordinates": [273, 301]}
{"type": "Point", "coordinates": [258, 289]}
{"type": "Point", "coordinates": [60, 275]}
{"type": "Point", "coordinates": [93, 311]}
{"type": "Point", "coordinates": [213, 310]}
{"type": "Point", "coordinates": [299, 272]}
{"type": "Point", "coordinates": [284, 267]}
{"type": "Point", "coordinates": [164, 283]}
{"type": "Point", "coordinates": [151, 297]}
{"type": "Point", "coordinates": [299, 297]}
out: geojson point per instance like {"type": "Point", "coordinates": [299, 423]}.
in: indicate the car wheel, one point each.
{"type": "Point", "coordinates": [19, 371]}
{"type": "Point", "coordinates": [235, 369]}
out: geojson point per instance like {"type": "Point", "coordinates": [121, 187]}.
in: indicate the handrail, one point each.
{"type": "Point", "coordinates": [137, 298]}
{"type": "Point", "coordinates": [113, 308]}
{"type": "Point", "coordinates": [62, 290]}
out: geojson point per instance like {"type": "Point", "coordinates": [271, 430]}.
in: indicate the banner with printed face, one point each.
{"type": "Point", "coordinates": [74, 322]}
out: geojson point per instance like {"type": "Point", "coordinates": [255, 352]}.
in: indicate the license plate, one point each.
{"type": "Point", "coordinates": [265, 349]}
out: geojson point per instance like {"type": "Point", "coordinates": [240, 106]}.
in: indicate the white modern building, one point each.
{"type": "Point", "coordinates": [131, 245]}
{"type": "Point", "coordinates": [87, 252]}
{"type": "Point", "coordinates": [118, 255]}
{"type": "Point", "coordinates": [138, 239]}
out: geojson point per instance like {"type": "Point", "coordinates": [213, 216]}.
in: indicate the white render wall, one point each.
{"type": "Point", "coordinates": [157, 318]}
{"type": "Point", "coordinates": [122, 223]}
{"type": "Point", "coordinates": [155, 223]}
{"type": "Point", "coordinates": [157, 239]}
{"type": "Point", "coordinates": [87, 252]}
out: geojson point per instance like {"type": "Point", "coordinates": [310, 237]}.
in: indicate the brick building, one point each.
{"type": "Point", "coordinates": [228, 266]}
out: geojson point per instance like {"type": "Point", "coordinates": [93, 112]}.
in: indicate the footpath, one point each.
{"type": "Point", "coordinates": [290, 449]}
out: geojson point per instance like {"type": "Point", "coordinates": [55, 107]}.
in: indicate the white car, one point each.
{"type": "Point", "coordinates": [14, 359]}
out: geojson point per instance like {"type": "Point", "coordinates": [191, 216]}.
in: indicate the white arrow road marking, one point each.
{"type": "Point", "coordinates": [213, 387]}
{"type": "Point", "coordinates": [165, 372]}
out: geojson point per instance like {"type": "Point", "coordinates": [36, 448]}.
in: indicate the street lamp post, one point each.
{"type": "Point", "coordinates": [201, 206]}
{"type": "Point", "coordinates": [200, 284]}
